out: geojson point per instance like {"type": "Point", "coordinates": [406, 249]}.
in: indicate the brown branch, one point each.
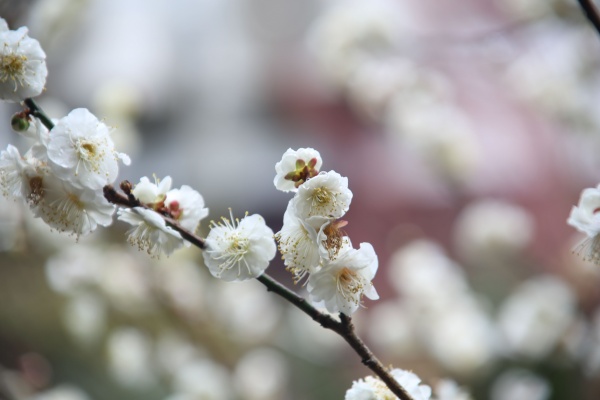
{"type": "Point", "coordinates": [129, 201]}
{"type": "Point", "coordinates": [590, 11]}
{"type": "Point", "coordinates": [344, 327]}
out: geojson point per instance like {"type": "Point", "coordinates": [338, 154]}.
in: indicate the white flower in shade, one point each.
{"type": "Point", "coordinates": [447, 389]}
{"type": "Point", "coordinates": [373, 388]}
{"type": "Point", "coordinates": [186, 206]}
{"type": "Point", "coordinates": [14, 173]}
{"type": "Point", "coordinates": [61, 392]}
{"type": "Point", "coordinates": [22, 64]}
{"type": "Point", "coordinates": [238, 250]}
{"type": "Point", "coordinates": [83, 151]}
{"type": "Point", "coordinates": [325, 195]}
{"type": "Point", "coordinates": [296, 167]}
{"type": "Point", "coordinates": [150, 231]}
{"type": "Point", "coordinates": [152, 193]}
{"type": "Point", "coordinates": [68, 208]}
{"type": "Point", "coordinates": [585, 218]}
{"type": "Point", "coordinates": [298, 244]}
{"type": "Point", "coordinates": [536, 317]}
{"type": "Point", "coordinates": [341, 283]}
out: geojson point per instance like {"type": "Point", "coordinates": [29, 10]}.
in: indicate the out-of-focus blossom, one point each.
{"type": "Point", "coordinates": [251, 380]}
{"type": "Point", "coordinates": [85, 317]}
{"type": "Point", "coordinates": [443, 308]}
{"type": "Point", "coordinates": [236, 308]}
{"type": "Point", "coordinates": [439, 131]}
{"type": "Point", "coordinates": [203, 379]}
{"type": "Point", "coordinates": [391, 329]}
{"type": "Point", "coordinates": [520, 384]}
{"type": "Point", "coordinates": [74, 269]}
{"type": "Point", "coordinates": [351, 31]}
{"type": "Point", "coordinates": [23, 69]}
{"type": "Point", "coordinates": [447, 389]}
{"type": "Point", "coordinates": [585, 218]}
{"type": "Point", "coordinates": [471, 332]}
{"type": "Point", "coordinates": [129, 355]}
{"type": "Point", "coordinates": [536, 316]}
{"type": "Point", "coordinates": [374, 388]}
{"type": "Point", "coordinates": [487, 229]}
{"type": "Point", "coordinates": [61, 392]}
{"type": "Point", "coordinates": [421, 270]}
{"type": "Point", "coordinates": [238, 250]}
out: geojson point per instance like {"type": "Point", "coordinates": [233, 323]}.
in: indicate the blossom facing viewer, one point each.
{"type": "Point", "coordinates": [239, 250]}
{"type": "Point", "coordinates": [341, 283]}
{"type": "Point", "coordinates": [23, 68]}
{"type": "Point", "coordinates": [585, 217]}
{"type": "Point", "coordinates": [325, 195]}
{"type": "Point", "coordinates": [81, 148]}
{"type": "Point", "coordinates": [296, 167]}
{"type": "Point", "coordinates": [373, 388]}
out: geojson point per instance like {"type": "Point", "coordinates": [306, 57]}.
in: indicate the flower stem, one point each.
{"type": "Point", "coordinates": [37, 112]}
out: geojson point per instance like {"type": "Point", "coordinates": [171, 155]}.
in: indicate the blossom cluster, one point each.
{"type": "Point", "coordinates": [311, 240]}
{"type": "Point", "coordinates": [150, 232]}
{"type": "Point", "coordinates": [374, 388]}
{"type": "Point", "coordinates": [62, 175]}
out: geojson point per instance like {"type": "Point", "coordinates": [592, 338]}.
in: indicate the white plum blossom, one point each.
{"type": "Point", "coordinates": [69, 208]}
{"type": "Point", "coordinates": [585, 218]}
{"type": "Point", "coordinates": [152, 193]}
{"type": "Point", "coordinates": [186, 206]}
{"type": "Point", "coordinates": [298, 244]}
{"type": "Point", "coordinates": [82, 150]}
{"type": "Point", "coordinates": [15, 172]}
{"type": "Point", "coordinates": [373, 388]}
{"type": "Point", "coordinates": [238, 250]}
{"type": "Point", "coordinates": [150, 231]}
{"type": "Point", "coordinates": [325, 195]}
{"type": "Point", "coordinates": [296, 167]}
{"type": "Point", "coordinates": [23, 69]}
{"type": "Point", "coordinates": [341, 283]}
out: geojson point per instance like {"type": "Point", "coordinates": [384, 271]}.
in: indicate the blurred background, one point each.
{"type": "Point", "coordinates": [467, 130]}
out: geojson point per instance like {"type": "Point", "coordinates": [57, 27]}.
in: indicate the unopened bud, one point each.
{"type": "Point", "coordinates": [19, 122]}
{"type": "Point", "coordinates": [126, 187]}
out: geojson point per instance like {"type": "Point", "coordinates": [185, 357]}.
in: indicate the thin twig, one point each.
{"type": "Point", "coordinates": [120, 199]}
{"type": "Point", "coordinates": [591, 13]}
{"type": "Point", "coordinates": [343, 327]}
{"type": "Point", "coordinates": [37, 112]}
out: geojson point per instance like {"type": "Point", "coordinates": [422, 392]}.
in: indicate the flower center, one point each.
{"type": "Point", "coordinates": [303, 172]}
{"type": "Point", "coordinates": [238, 246]}
{"type": "Point", "coordinates": [12, 67]}
{"type": "Point", "coordinates": [36, 185]}
{"type": "Point", "coordinates": [350, 284]}
{"type": "Point", "coordinates": [322, 195]}
{"type": "Point", "coordinates": [91, 153]}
